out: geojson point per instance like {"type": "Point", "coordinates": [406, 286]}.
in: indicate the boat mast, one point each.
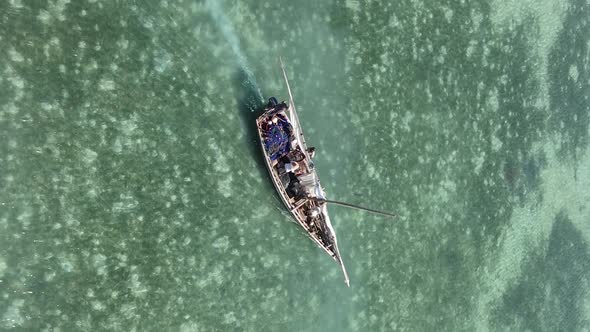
{"type": "Point", "coordinates": [294, 119]}
{"type": "Point", "coordinates": [352, 206]}
{"type": "Point", "coordinates": [346, 280]}
{"type": "Point", "coordinates": [291, 103]}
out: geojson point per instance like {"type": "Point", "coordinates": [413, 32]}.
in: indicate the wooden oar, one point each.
{"type": "Point", "coordinates": [348, 205]}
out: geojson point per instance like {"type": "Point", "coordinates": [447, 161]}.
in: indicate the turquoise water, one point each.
{"type": "Point", "coordinates": [133, 196]}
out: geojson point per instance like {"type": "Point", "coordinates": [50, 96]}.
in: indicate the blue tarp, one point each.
{"type": "Point", "coordinates": [277, 139]}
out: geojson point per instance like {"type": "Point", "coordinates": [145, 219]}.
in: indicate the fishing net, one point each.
{"type": "Point", "coordinates": [276, 141]}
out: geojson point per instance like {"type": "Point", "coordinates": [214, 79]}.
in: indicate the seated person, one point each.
{"type": "Point", "coordinates": [296, 155]}
{"type": "Point", "coordinates": [292, 167]}
{"type": "Point", "coordinates": [294, 189]}
{"type": "Point", "coordinates": [282, 106]}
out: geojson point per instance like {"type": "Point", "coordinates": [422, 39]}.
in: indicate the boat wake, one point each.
{"type": "Point", "coordinates": [228, 31]}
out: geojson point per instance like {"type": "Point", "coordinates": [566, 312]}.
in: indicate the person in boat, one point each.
{"type": "Point", "coordinates": [293, 167]}
{"type": "Point", "coordinates": [314, 212]}
{"type": "Point", "coordinates": [295, 155]}
{"type": "Point", "coordinates": [282, 106]}
{"type": "Point", "coordinates": [294, 189]}
{"type": "Point", "coordinates": [311, 154]}
{"type": "Point", "coordinates": [290, 167]}
{"type": "Point", "coordinates": [292, 170]}
{"type": "Point", "coordinates": [279, 120]}
{"type": "Point", "coordinates": [268, 125]}
{"type": "Point", "coordinates": [284, 122]}
{"type": "Point", "coordinates": [277, 132]}
{"type": "Point", "coordinates": [274, 104]}
{"type": "Point", "coordinates": [313, 218]}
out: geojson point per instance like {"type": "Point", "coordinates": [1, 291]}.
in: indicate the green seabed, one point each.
{"type": "Point", "coordinates": [133, 197]}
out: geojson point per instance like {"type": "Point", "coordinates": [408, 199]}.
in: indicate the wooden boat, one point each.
{"type": "Point", "coordinates": [290, 165]}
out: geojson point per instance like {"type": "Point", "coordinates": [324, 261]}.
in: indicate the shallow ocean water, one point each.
{"type": "Point", "coordinates": [133, 196]}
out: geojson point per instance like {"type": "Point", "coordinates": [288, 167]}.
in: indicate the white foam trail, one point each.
{"type": "Point", "coordinates": [227, 29]}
